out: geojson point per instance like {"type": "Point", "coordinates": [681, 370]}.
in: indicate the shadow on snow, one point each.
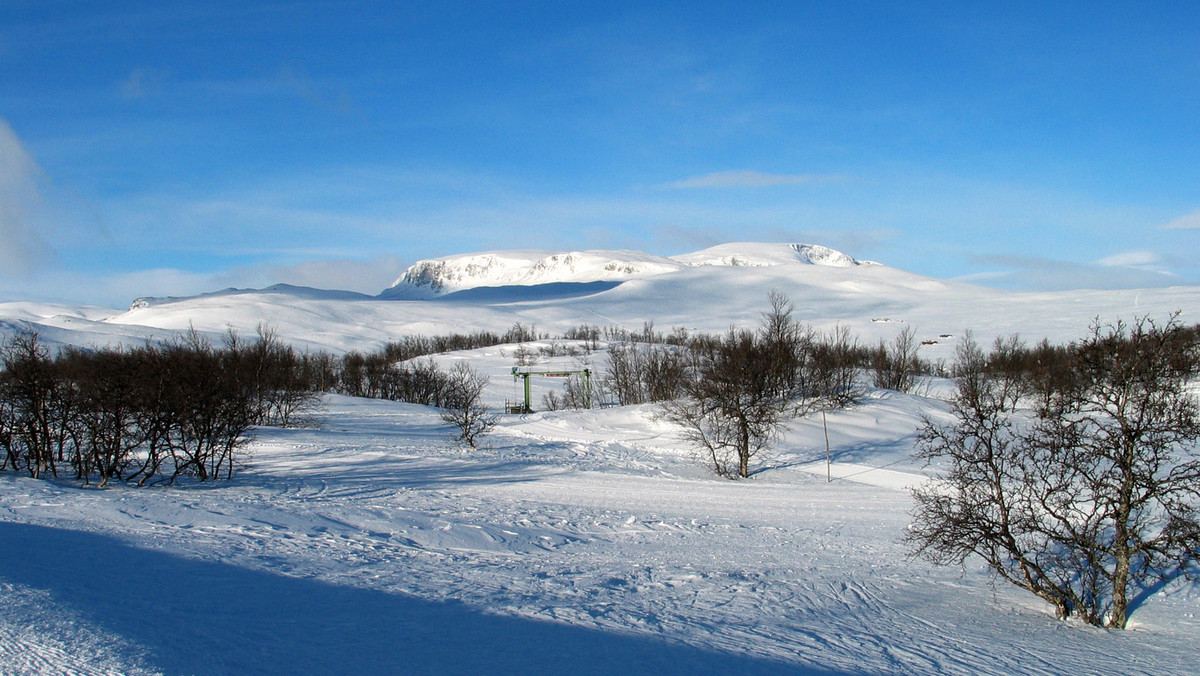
{"type": "Point", "coordinates": [196, 616]}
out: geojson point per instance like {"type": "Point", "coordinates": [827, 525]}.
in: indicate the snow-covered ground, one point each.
{"type": "Point", "coordinates": [574, 542]}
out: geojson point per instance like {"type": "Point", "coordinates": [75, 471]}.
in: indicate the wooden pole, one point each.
{"type": "Point", "coordinates": [828, 458]}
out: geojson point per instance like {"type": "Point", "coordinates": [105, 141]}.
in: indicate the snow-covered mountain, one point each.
{"type": "Point", "coordinates": [708, 290]}
{"type": "Point", "coordinates": [282, 289]}
{"type": "Point", "coordinates": [449, 274]}
{"type": "Point", "coordinates": [439, 276]}
{"type": "Point", "coordinates": [745, 254]}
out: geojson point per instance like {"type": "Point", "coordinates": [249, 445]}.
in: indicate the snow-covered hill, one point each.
{"type": "Point", "coordinates": [708, 290]}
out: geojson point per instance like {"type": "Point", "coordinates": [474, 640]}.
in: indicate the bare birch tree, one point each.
{"type": "Point", "coordinates": [464, 406]}
{"type": "Point", "coordinates": [1087, 493]}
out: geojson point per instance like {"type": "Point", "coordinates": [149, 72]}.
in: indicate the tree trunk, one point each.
{"type": "Point", "coordinates": [1120, 588]}
{"type": "Point", "coordinates": [744, 450]}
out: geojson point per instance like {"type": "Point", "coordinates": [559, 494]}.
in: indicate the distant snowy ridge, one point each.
{"type": "Point", "coordinates": [439, 276]}
{"type": "Point", "coordinates": [306, 292]}
{"type": "Point", "coordinates": [709, 291]}
{"type": "Point", "coordinates": [751, 254]}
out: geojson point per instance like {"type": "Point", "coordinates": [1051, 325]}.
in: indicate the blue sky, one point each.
{"type": "Point", "coordinates": [149, 149]}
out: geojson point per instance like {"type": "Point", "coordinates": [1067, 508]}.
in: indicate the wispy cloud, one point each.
{"type": "Point", "coordinates": [21, 247]}
{"type": "Point", "coordinates": [1187, 222]}
{"type": "Point", "coordinates": [119, 289]}
{"type": "Point", "coordinates": [365, 276]}
{"type": "Point", "coordinates": [747, 179]}
{"type": "Point", "coordinates": [1141, 259]}
{"type": "Point", "coordinates": [142, 82]}
{"type": "Point", "coordinates": [685, 239]}
{"type": "Point", "coordinates": [1129, 270]}
{"type": "Point", "coordinates": [355, 212]}
{"type": "Point", "coordinates": [311, 91]}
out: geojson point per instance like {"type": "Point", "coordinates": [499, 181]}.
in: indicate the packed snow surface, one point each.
{"type": "Point", "coordinates": [580, 542]}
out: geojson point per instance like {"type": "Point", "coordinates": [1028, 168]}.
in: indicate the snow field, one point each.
{"type": "Point", "coordinates": [596, 522]}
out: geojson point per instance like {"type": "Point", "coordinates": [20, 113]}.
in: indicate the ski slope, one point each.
{"type": "Point", "coordinates": [574, 543]}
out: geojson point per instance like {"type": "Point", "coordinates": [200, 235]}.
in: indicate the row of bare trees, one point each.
{"type": "Point", "coordinates": [148, 414]}
{"type": "Point", "coordinates": [642, 372]}
{"type": "Point", "coordinates": [643, 366]}
{"type": "Point", "coordinates": [159, 412]}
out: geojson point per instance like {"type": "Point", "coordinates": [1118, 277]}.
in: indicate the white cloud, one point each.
{"type": "Point", "coordinates": [119, 289]}
{"type": "Point", "coordinates": [1131, 270]}
{"type": "Point", "coordinates": [1187, 222]}
{"type": "Point", "coordinates": [364, 276]}
{"type": "Point", "coordinates": [21, 247]}
{"type": "Point", "coordinates": [747, 179]}
{"type": "Point", "coordinates": [1147, 260]}
{"type": "Point", "coordinates": [311, 91]}
{"type": "Point", "coordinates": [369, 276]}
{"type": "Point", "coordinates": [142, 82]}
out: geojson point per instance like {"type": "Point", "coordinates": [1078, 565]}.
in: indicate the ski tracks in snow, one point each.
{"type": "Point", "coordinates": [591, 528]}
{"type": "Point", "coordinates": [40, 638]}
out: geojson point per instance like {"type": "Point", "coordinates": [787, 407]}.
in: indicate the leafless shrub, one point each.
{"type": "Point", "coordinates": [464, 407]}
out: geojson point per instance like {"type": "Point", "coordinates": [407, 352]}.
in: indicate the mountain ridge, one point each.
{"type": "Point", "coordinates": [529, 267]}
{"type": "Point", "coordinates": [709, 290]}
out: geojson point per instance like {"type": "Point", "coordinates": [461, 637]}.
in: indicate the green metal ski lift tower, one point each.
{"type": "Point", "coordinates": [585, 375]}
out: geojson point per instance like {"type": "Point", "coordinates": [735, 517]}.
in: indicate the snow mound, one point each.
{"type": "Point", "coordinates": [438, 276]}
{"type": "Point", "coordinates": [31, 311]}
